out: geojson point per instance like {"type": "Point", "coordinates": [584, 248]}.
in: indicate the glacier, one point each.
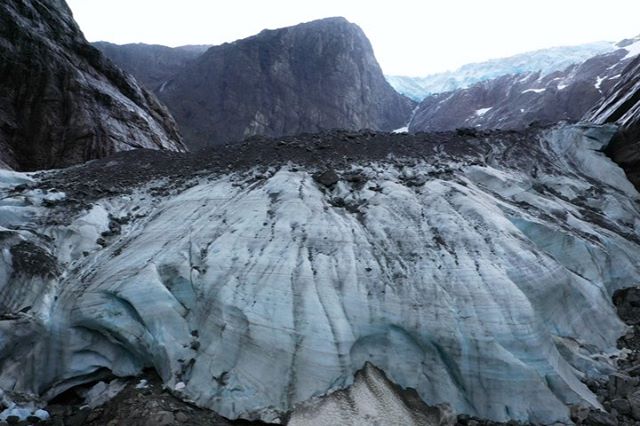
{"type": "Point", "coordinates": [545, 61]}
{"type": "Point", "coordinates": [478, 273]}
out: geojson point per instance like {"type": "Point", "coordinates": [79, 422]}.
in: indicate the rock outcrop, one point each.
{"type": "Point", "coordinates": [306, 78]}
{"type": "Point", "coordinates": [474, 267]}
{"type": "Point", "coordinates": [622, 106]}
{"type": "Point", "coordinates": [61, 101]}
{"type": "Point", "coordinates": [151, 64]}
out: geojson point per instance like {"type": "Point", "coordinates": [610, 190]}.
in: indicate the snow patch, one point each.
{"type": "Point", "coordinates": [482, 111]}
{"type": "Point", "coordinates": [633, 50]}
{"type": "Point", "coordinates": [599, 81]}
{"type": "Point", "coordinates": [533, 90]}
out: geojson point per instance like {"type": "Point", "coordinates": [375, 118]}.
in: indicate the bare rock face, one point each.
{"type": "Point", "coordinates": [151, 64]}
{"type": "Point", "coordinates": [61, 101]}
{"type": "Point", "coordinates": [622, 106]}
{"type": "Point", "coordinates": [306, 78]}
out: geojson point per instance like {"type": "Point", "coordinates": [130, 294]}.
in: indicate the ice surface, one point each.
{"type": "Point", "coordinates": [252, 295]}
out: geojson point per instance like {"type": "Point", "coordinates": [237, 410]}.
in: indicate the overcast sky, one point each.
{"type": "Point", "coordinates": [410, 37]}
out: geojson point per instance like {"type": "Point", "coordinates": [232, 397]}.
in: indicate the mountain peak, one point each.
{"type": "Point", "coordinates": [308, 77]}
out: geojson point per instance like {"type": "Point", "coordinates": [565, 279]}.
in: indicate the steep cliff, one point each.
{"type": "Point", "coordinates": [150, 64]}
{"type": "Point", "coordinates": [309, 77]}
{"type": "Point", "coordinates": [61, 101]}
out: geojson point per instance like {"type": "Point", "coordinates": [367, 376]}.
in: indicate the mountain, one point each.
{"type": "Point", "coordinates": [545, 61]}
{"type": "Point", "coordinates": [622, 106]}
{"type": "Point", "coordinates": [151, 64]}
{"type": "Point", "coordinates": [516, 101]}
{"type": "Point", "coordinates": [61, 101]}
{"type": "Point", "coordinates": [309, 77]}
{"type": "Point", "coordinates": [254, 278]}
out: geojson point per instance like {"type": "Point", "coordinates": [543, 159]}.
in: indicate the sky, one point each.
{"type": "Point", "coordinates": [409, 37]}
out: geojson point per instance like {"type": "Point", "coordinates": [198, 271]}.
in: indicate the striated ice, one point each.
{"type": "Point", "coordinates": [486, 287]}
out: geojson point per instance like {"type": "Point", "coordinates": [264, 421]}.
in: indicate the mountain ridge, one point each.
{"type": "Point", "coordinates": [622, 107]}
{"type": "Point", "coordinates": [516, 101]}
{"type": "Point", "coordinates": [309, 77]}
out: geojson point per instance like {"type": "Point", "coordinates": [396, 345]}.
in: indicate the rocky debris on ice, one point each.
{"type": "Point", "coordinates": [152, 405]}
{"type": "Point", "coordinates": [327, 178]}
{"type": "Point", "coordinates": [16, 407]}
{"type": "Point", "coordinates": [619, 393]}
{"type": "Point", "coordinates": [627, 302]}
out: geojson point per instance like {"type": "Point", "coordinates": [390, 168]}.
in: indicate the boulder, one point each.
{"type": "Point", "coordinates": [627, 302]}
{"type": "Point", "coordinates": [327, 178]}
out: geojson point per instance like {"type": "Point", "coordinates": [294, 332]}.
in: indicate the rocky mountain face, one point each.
{"type": "Point", "coordinates": [545, 61]}
{"type": "Point", "coordinates": [622, 106]}
{"type": "Point", "coordinates": [313, 76]}
{"type": "Point", "coordinates": [474, 267]}
{"type": "Point", "coordinates": [61, 101]}
{"type": "Point", "coordinates": [516, 101]}
{"type": "Point", "coordinates": [151, 64]}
